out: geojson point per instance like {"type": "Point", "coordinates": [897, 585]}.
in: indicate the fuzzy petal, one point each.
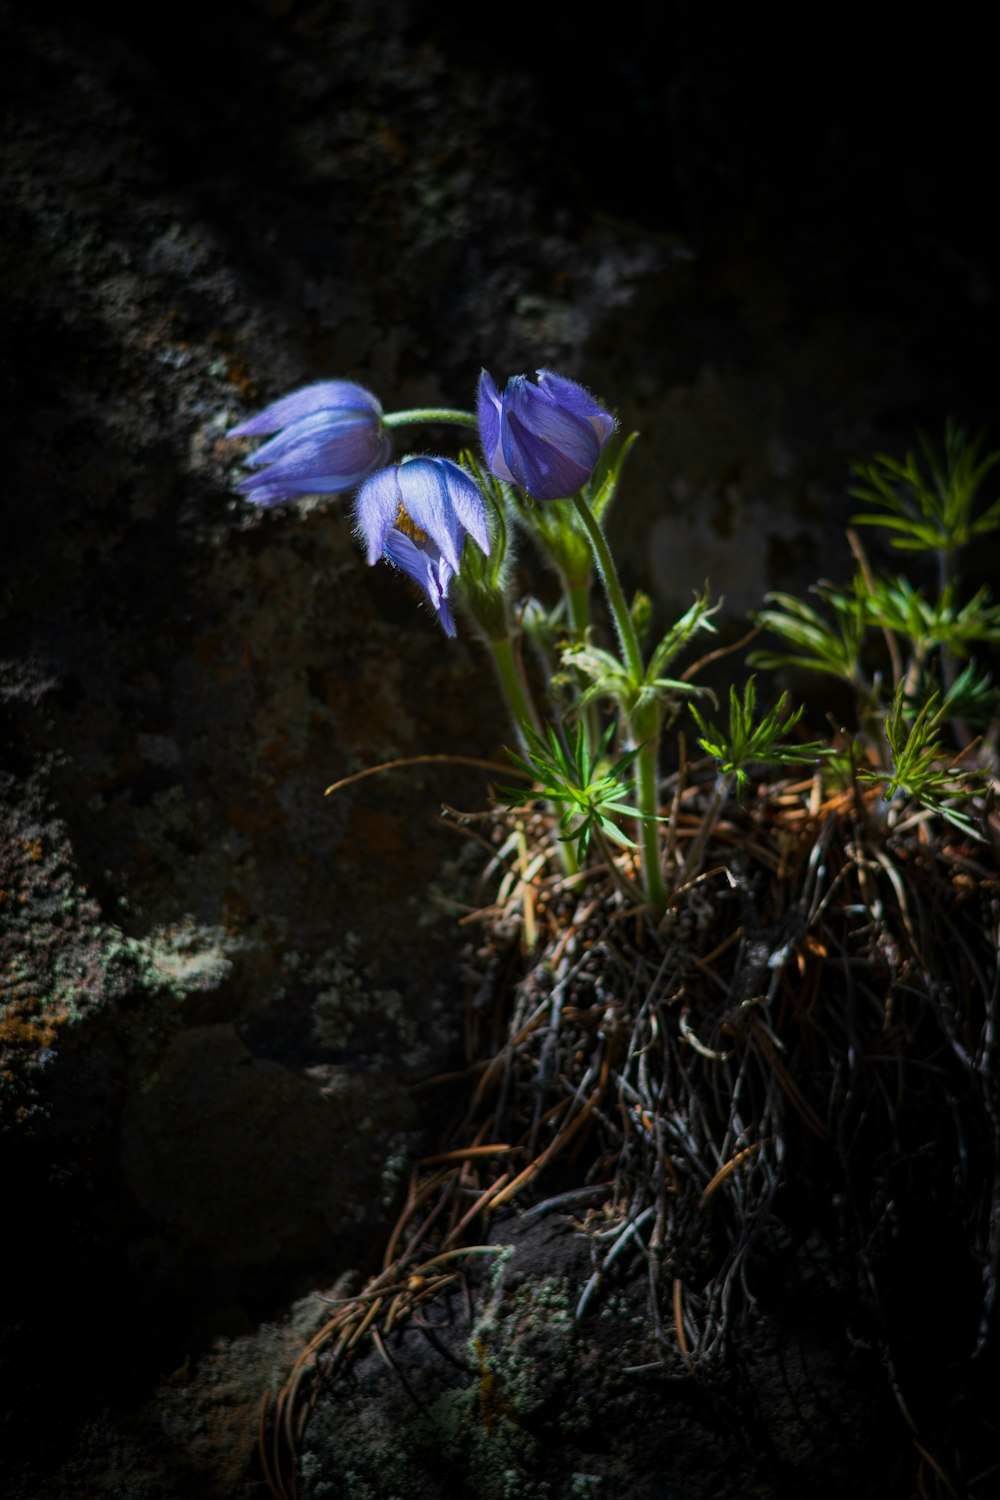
{"type": "Point", "coordinates": [426, 499]}
{"type": "Point", "coordinates": [347, 444]}
{"type": "Point", "coordinates": [549, 435]}
{"type": "Point", "coordinates": [573, 398]}
{"type": "Point", "coordinates": [468, 502]}
{"type": "Point", "coordinates": [428, 568]}
{"type": "Point", "coordinates": [489, 409]}
{"type": "Point", "coordinates": [260, 491]}
{"type": "Point", "coordinates": [270, 488]}
{"type": "Point", "coordinates": [548, 473]}
{"type": "Point", "coordinates": [375, 508]}
{"type": "Point", "coordinates": [547, 420]}
{"type": "Point", "coordinates": [552, 452]}
{"type": "Point", "coordinates": [325, 395]}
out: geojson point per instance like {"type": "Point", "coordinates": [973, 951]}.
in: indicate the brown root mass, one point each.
{"type": "Point", "coordinates": [804, 1045]}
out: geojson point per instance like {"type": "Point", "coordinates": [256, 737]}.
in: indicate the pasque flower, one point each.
{"type": "Point", "coordinates": [329, 437]}
{"type": "Point", "coordinates": [417, 515]}
{"type": "Point", "coordinates": [546, 435]}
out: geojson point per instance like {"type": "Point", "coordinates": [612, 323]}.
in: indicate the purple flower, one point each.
{"type": "Point", "coordinates": [329, 437]}
{"type": "Point", "coordinates": [546, 436]}
{"type": "Point", "coordinates": [417, 515]}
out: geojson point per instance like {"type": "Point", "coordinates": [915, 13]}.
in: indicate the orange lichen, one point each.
{"type": "Point", "coordinates": [22, 1026]}
{"type": "Point", "coordinates": [488, 1404]}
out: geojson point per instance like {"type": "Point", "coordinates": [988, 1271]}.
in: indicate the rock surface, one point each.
{"type": "Point", "coordinates": [527, 1402]}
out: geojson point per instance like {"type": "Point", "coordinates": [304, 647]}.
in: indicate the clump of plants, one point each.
{"type": "Point", "coordinates": [723, 954]}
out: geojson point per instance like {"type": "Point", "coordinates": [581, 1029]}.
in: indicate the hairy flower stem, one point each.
{"type": "Point", "coordinates": [520, 705]}
{"type": "Point", "coordinates": [612, 587]}
{"type": "Point", "coordinates": [647, 734]}
{"type": "Point", "coordinates": [444, 414]}
{"type": "Point", "coordinates": [578, 602]}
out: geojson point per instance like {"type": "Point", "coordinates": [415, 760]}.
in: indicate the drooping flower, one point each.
{"type": "Point", "coordinates": [417, 515]}
{"type": "Point", "coordinates": [545, 435]}
{"type": "Point", "coordinates": [329, 437]}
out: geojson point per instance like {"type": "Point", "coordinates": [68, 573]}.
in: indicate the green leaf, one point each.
{"type": "Point", "coordinates": [929, 499]}
{"type": "Point", "coordinates": [695, 619]}
{"type": "Point", "coordinates": [921, 768]}
{"type": "Point", "coordinates": [748, 742]}
{"type": "Point", "coordinates": [590, 791]}
{"type": "Point", "coordinates": [602, 487]}
{"type": "Point", "coordinates": [828, 645]}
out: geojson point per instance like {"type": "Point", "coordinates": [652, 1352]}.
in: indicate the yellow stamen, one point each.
{"type": "Point", "coordinates": [409, 527]}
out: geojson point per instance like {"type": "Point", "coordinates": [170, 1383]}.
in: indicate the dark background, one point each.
{"type": "Point", "coordinates": [767, 238]}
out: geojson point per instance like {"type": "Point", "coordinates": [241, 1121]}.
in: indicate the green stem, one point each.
{"type": "Point", "coordinates": [578, 602]}
{"type": "Point", "coordinates": [612, 587]}
{"type": "Point", "coordinates": [647, 765]}
{"type": "Point", "coordinates": [646, 734]}
{"type": "Point", "coordinates": [430, 414]}
{"type": "Point", "coordinates": [577, 594]}
{"type": "Point", "coordinates": [518, 701]}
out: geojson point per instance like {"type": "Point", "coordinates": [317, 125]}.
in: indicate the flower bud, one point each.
{"type": "Point", "coordinates": [544, 435]}
{"type": "Point", "coordinates": [329, 437]}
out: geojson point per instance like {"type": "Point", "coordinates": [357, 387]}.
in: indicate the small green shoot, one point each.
{"type": "Point", "coordinates": [921, 768]}
{"type": "Point", "coordinates": [611, 679]}
{"type": "Point", "coordinates": [929, 501]}
{"type": "Point", "coordinates": [748, 743]}
{"type": "Point", "coordinates": [590, 791]}
{"type": "Point", "coordinates": [973, 697]}
{"type": "Point", "coordinates": [894, 604]}
{"type": "Point", "coordinates": [822, 645]}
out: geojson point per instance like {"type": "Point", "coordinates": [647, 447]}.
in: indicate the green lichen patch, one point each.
{"type": "Point", "coordinates": [188, 956]}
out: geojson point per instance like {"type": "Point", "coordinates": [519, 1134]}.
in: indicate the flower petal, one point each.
{"type": "Point", "coordinates": [551, 451]}
{"type": "Point", "coordinates": [548, 474]}
{"type": "Point", "coordinates": [261, 491]}
{"type": "Point", "coordinates": [325, 443]}
{"type": "Point", "coordinates": [467, 499]}
{"type": "Point", "coordinates": [270, 488]}
{"type": "Point", "coordinates": [375, 508]}
{"type": "Point", "coordinates": [428, 568]}
{"type": "Point", "coordinates": [489, 409]}
{"type": "Point", "coordinates": [549, 435]}
{"type": "Point", "coordinates": [573, 398]}
{"type": "Point", "coordinates": [535, 409]}
{"type": "Point", "coordinates": [325, 395]}
{"type": "Point", "coordinates": [426, 500]}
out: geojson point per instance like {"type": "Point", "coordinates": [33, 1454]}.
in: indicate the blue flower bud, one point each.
{"type": "Point", "coordinates": [544, 435]}
{"type": "Point", "coordinates": [329, 437]}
